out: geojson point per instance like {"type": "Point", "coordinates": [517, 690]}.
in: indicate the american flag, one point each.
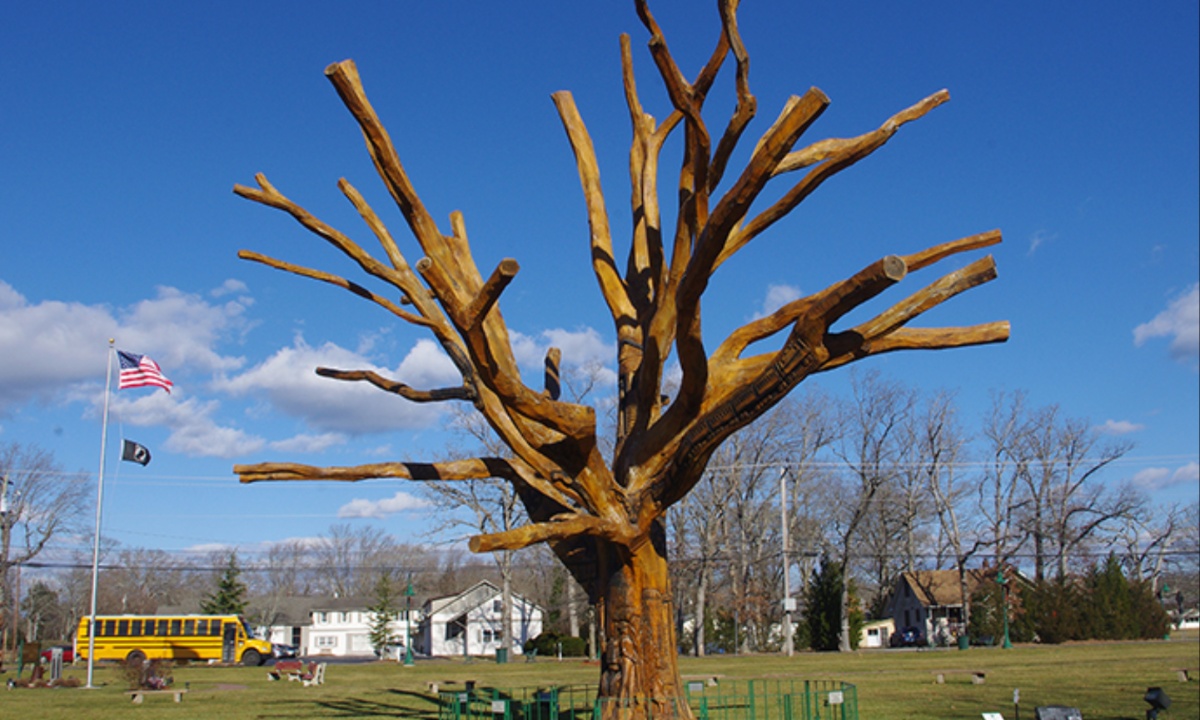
{"type": "Point", "coordinates": [140, 371]}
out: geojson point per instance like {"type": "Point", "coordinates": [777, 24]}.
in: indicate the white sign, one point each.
{"type": "Point", "coordinates": [835, 697]}
{"type": "Point", "coordinates": [789, 604]}
{"type": "Point", "coordinates": [993, 716]}
{"type": "Point", "coordinates": [499, 706]}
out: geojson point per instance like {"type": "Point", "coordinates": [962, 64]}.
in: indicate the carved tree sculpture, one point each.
{"type": "Point", "coordinates": [603, 517]}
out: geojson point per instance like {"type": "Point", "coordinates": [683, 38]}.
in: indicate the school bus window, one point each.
{"type": "Point", "coordinates": [189, 627]}
{"type": "Point", "coordinates": [201, 627]}
{"type": "Point", "coordinates": [162, 627]}
{"type": "Point", "coordinates": [122, 628]}
{"type": "Point", "coordinates": [135, 628]}
{"type": "Point", "coordinates": [175, 627]}
{"type": "Point", "coordinates": [215, 628]}
{"type": "Point", "coordinates": [110, 627]}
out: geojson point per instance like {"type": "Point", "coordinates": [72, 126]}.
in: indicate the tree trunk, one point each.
{"type": "Point", "coordinates": [572, 611]}
{"type": "Point", "coordinates": [844, 633]}
{"type": "Point", "coordinates": [639, 676]}
{"type": "Point", "coordinates": [700, 622]}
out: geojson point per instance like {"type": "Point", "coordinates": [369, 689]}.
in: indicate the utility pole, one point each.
{"type": "Point", "coordinates": [788, 603]}
{"type": "Point", "coordinates": [4, 535]}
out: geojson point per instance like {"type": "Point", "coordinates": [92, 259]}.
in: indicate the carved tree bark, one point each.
{"type": "Point", "coordinates": [604, 519]}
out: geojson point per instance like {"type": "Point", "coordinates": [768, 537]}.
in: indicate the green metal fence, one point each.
{"type": "Point", "coordinates": [778, 699]}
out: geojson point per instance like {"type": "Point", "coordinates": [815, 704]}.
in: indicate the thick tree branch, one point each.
{"type": "Point", "coordinates": [850, 346]}
{"type": "Point", "coordinates": [467, 469]}
{"type": "Point", "coordinates": [830, 158]}
{"type": "Point", "coordinates": [398, 388]}
{"type": "Point", "coordinates": [345, 79]}
{"type": "Point", "coordinates": [603, 262]}
{"type": "Point", "coordinates": [559, 528]}
{"type": "Point", "coordinates": [337, 280]}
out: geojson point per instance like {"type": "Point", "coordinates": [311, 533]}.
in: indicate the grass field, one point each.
{"type": "Point", "coordinates": [1105, 681]}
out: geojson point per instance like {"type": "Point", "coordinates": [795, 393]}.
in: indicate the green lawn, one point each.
{"type": "Point", "coordinates": [1105, 680]}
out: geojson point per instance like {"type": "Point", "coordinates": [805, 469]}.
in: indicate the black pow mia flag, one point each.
{"type": "Point", "coordinates": [134, 452]}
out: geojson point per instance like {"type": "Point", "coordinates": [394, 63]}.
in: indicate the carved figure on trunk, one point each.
{"type": "Point", "coordinates": [603, 516]}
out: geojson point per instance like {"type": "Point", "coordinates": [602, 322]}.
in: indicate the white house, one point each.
{"type": "Point", "coordinates": [333, 626]}
{"type": "Point", "coordinates": [877, 633]}
{"type": "Point", "coordinates": [471, 622]}
{"type": "Point", "coordinates": [341, 627]}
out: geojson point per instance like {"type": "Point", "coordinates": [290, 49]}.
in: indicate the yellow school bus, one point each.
{"type": "Point", "coordinates": [224, 638]}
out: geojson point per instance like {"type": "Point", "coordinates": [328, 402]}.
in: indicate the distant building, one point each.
{"type": "Point", "coordinates": [877, 633]}
{"type": "Point", "coordinates": [341, 627]}
{"type": "Point", "coordinates": [932, 602]}
{"type": "Point", "coordinates": [472, 622]}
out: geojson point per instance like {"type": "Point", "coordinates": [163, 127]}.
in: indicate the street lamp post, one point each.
{"type": "Point", "coordinates": [408, 596]}
{"type": "Point", "coordinates": [1003, 582]}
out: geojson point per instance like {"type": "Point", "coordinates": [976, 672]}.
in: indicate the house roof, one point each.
{"type": "Point", "coordinates": [941, 587]}
{"type": "Point", "coordinates": [472, 597]}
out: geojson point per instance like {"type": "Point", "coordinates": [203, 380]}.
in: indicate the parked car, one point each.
{"type": "Point", "coordinates": [283, 651]}
{"type": "Point", "coordinates": [908, 636]}
{"type": "Point", "coordinates": [68, 653]}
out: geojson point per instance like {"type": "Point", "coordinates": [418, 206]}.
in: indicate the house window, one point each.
{"type": "Point", "coordinates": [454, 628]}
{"type": "Point", "coordinates": [497, 606]}
{"type": "Point", "coordinates": [343, 617]}
{"type": "Point", "coordinates": [322, 617]}
{"type": "Point", "coordinates": [325, 641]}
{"type": "Point", "coordinates": [488, 636]}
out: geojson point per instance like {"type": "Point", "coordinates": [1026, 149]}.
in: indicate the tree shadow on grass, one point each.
{"type": "Point", "coordinates": [354, 707]}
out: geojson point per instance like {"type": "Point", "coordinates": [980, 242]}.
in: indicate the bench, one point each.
{"type": "Point", "coordinates": [138, 695]}
{"type": "Point", "coordinates": [977, 676]}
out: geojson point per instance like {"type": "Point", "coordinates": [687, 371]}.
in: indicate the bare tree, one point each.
{"type": "Point", "coordinates": [604, 514]}
{"type": "Point", "coordinates": [940, 446]}
{"type": "Point", "coordinates": [870, 447]}
{"type": "Point", "coordinates": [39, 501]}
{"type": "Point", "coordinates": [139, 580]}
{"type": "Point", "coordinates": [348, 559]}
{"type": "Point", "coordinates": [1149, 534]}
{"type": "Point", "coordinates": [999, 499]}
{"type": "Point", "coordinates": [1064, 504]}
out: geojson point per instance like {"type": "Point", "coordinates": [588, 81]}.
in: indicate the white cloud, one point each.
{"type": "Point", "coordinates": [379, 509]}
{"type": "Point", "coordinates": [309, 443]}
{"type": "Point", "coordinates": [288, 381]}
{"type": "Point", "coordinates": [1161, 478]}
{"type": "Point", "coordinates": [193, 431]}
{"type": "Point", "coordinates": [1119, 427]}
{"type": "Point", "coordinates": [1180, 322]}
{"type": "Point", "coordinates": [1039, 238]}
{"type": "Point", "coordinates": [581, 349]}
{"type": "Point", "coordinates": [777, 297]}
{"type": "Point", "coordinates": [51, 348]}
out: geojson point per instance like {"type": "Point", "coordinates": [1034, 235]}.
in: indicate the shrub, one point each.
{"type": "Point", "coordinates": [548, 644]}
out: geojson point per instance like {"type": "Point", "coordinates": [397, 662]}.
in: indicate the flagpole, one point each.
{"type": "Point", "coordinates": [91, 652]}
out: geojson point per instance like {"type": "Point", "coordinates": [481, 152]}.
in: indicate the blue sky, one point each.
{"type": "Point", "coordinates": [124, 126]}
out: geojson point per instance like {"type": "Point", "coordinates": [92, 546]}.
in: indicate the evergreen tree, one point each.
{"type": "Point", "coordinates": [1107, 611]}
{"type": "Point", "coordinates": [383, 612]}
{"type": "Point", "coordinates": [230, 595]}
{"type": "Point", "coordinates": [823, 613]}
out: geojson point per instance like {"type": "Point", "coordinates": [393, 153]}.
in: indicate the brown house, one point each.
{"type": "Point", "coordinates": [932, 602]}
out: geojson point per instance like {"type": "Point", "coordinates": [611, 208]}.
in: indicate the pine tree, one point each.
{"type": "Point", "coordinates": [230, 595]}
{"type": "Point", "coordinates": [383, 612]}
{"type": "Point", "coordinates": [824, 606]}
